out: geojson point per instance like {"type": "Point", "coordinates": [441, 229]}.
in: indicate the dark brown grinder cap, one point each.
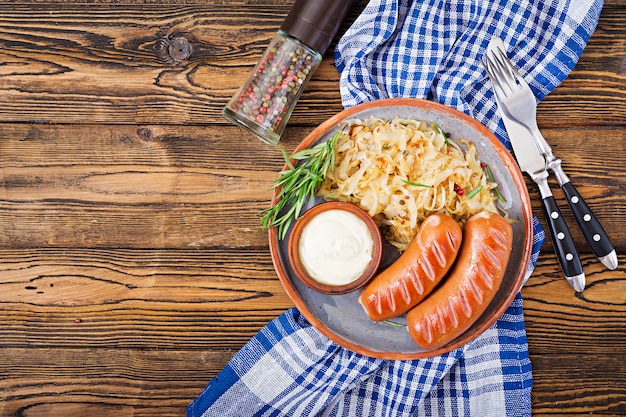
{"type": "Point", "coordinates": [316, 22]}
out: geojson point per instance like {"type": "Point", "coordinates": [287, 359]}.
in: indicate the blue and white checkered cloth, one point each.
{"type": "Point", "coordinates": [427, 49]}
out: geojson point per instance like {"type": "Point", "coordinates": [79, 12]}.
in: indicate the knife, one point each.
{"type": "Point", "coordinates": [531, 161]}
{"type": "Point", "coordinates": [594, 233]}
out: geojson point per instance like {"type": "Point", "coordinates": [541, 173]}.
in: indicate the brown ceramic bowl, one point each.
{"type": "Point", "coordinates": [301, 270]}
{"type": "Point", "coordinates": [340, 317]}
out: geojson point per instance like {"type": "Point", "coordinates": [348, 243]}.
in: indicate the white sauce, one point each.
{"type": "Point", "coordinates": [336, 247]}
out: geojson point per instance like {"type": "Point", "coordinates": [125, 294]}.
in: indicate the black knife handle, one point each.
{"type": "Point", "coordinates": [562, 239]}
{"type": "Point", "coordinates": [588, 222]}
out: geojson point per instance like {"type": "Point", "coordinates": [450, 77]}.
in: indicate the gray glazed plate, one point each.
{"type": "Point", "coordinates": [340, 317]}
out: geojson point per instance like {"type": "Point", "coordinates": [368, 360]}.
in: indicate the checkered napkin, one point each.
{"type": "Point", "coordinates": [427, 49]}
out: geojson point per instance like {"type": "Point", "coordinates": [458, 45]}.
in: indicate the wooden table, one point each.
{"type": "Point", "coordinates": [132, 262]}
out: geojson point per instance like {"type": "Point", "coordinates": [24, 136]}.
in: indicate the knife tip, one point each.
{"type": "Point", "coordinates": [610, 260]}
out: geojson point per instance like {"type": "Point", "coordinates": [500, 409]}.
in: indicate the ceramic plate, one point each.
{"type": "Point", "coordinates": [340, 317]}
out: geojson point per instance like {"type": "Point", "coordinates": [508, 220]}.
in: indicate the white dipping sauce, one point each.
{"type": "Point", "coordinates": [336, 247]}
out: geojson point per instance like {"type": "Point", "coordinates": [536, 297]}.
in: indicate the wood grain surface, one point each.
{"type": "Point", "coordinates": [132, 262]}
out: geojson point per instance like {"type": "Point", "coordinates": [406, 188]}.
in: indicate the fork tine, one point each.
{"type": "Point", "coordinates": [513, 70]}
{"type": "Point", "coordinates": [495, 75]}
{"type": "Point", "coordinates": [502, 74]}
{"type": "Point", "coordinates": [505, 67]}
{"type": "Point", "coordinates": [494, 80]}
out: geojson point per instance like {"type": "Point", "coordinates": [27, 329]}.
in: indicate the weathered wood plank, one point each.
{"type": "Point", "coordinates": [110, 186]}
{"type": "Point", "coordinates": [558, 390]}
{"type": "Point", "coordinates": [208, 298]}
{"type": "Point", "coordinates": [104, 382]}
{"type": "Point", "coordinates": [118, 72]}
{"type": "Point", "coordinates": [557, 318]}
{"type": "Point", "coordinates": [127, 298]}
{"type": "Point", "coordinates": [133, 382]}
{"type": "Point", "coordinates": [72, 68]}
{"type": "Point", "coordinates": [594, 92]}
{"type": "Point", "coordinates": [175, 186]}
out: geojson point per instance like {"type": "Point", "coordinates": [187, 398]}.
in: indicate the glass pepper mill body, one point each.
{"type": "Point", "coordinates": [265, 102]}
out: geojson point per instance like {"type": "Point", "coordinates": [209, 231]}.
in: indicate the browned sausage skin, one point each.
{"type": "Point", "coordinates": [417, 272]}
{"type": "Point", "coordinates": [473, 283]}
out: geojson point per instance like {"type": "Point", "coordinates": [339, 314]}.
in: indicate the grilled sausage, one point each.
{"type": "Point", "coordinates": [469, 288]}
{"type": "Point", "coordinates": [416, 272]}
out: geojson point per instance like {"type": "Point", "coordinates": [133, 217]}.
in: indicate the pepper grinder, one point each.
{"type": "Point", "coordinates": [264, 103]}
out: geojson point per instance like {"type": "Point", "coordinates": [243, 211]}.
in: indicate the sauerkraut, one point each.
{"type": "Point", "coordinates": [400, 171]}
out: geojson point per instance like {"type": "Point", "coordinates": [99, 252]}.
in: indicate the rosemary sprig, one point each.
{"type": "Point", "coordinates": [297, 183]}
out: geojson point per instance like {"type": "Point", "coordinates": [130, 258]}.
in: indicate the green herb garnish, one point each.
{"type": "Point", "coordinates": [393, 323]}
{"type": "Point", "coordinates": [440, 131]}
{"type": "Point", "coordinates": [297, 184]}
{"type": "Point", "coordinates": [416, 184]}
{"type": "Point", "coordinates": [474, 191]}
{"type": "Point", "coordinates": [488, 172]}
{"type": "Point", "coordinates": [490, 176]}
{"type": "Point", "coordinates": [500, 196]}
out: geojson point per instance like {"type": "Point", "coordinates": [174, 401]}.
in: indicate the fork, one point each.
{"type": "Point", "coordinates": [515, 95]}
